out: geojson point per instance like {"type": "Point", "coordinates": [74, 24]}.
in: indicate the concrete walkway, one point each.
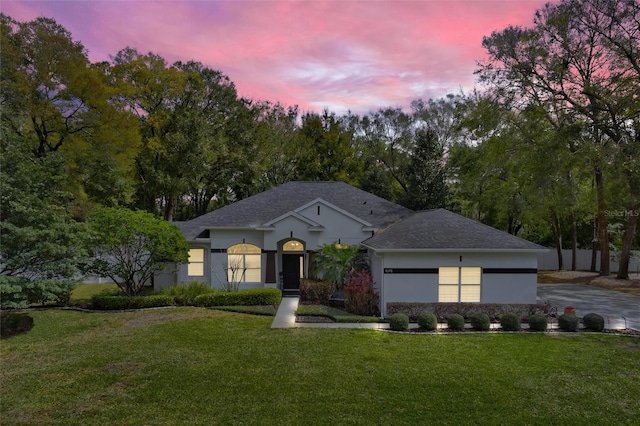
{"type": "Point", "coordinates": [613, 305]}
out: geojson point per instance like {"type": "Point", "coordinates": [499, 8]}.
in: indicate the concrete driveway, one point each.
{"type": "Point", "coordinates": [612, 305]}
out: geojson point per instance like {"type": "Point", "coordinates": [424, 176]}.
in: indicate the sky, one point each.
{"type": "Point", "coordinates": [355, 56]}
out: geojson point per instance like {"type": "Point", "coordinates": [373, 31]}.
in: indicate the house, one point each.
{"type": "Point", "coordinates": [269, 240]}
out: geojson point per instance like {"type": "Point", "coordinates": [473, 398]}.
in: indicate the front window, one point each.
{"type": "Point", "coordinates": [196, 262]}
{"type": "Point", "coordinates": [459, 284]}
{"type": "Point", "coordinates": [244, 263]}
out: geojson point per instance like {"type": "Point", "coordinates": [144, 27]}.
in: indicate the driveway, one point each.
{"type": "Point", "coordinates": [612, 305]}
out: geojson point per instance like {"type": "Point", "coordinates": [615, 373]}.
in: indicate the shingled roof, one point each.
{"type": "Point", "coordinates": [261, 208]}
{"type": "Point", "coordinates": [441, 230]}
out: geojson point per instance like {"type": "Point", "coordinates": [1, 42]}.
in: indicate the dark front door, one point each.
{"type": "Point", "coordinates": [291, 271]}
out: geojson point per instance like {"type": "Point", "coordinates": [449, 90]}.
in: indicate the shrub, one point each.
{"type": "Point", "coordinates": [510, 322]}
{"type": "Point", "coordinates": [361, 297]}
{"type": "Point", "coordinates": [318, 292]}
{"type": "Point", "coordinates": [105, 302]}
{"type": "Point", "coordinates": [481, 322]}
{"type": "Point", "coordinates": [537, 322]}
{"type": "Point", "coordinates": [14, 323]}
{"type": "Point", "coordinates": [455, 322]}
{"type": "Point", "coordinates": [399, 322]}
{"type": "Point", "coordinates": [249, 297]}
{"type": "Point", "coordinates": [568, 322]}
{"type": "Point", "coordinates": [467, 310]}
{"type": "Point", "coordinates": [185, 294]}
{"type": "Point", "coordinates": [593, 322]}
{"type": "Point", "coordinates": [428, 321]}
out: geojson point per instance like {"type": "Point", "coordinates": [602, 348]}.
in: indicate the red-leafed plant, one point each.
{"type": "Point", "coordinates": [360, 294]}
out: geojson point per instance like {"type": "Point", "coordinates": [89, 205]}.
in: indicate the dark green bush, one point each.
{"type": "Point", "coordinates": [510, 322]}
{"type": "Point", "coordinates": [537, 322]}
{"type": "Point", "coordinates": [399, 322]}
{"type": "Point", "coordinates": [104, 302]}
{"type": "Point", "coordinates": [12, 323]}
{"type": "Point", "coordinates": [481, 322]}
{"type": "Point", "coordinates": [185, 294]}
{"type": "Point", "coordinates": [249, 297]}
{"type": "Point", "coordinates": [568, 322]}
{"type": "Point", "coordinates": [593, 322]}
{"type": "Point", "coordinates": [428, 321]}
{"type": "Point", "coordinates": [455, 322]}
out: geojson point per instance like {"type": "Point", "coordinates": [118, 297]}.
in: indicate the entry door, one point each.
{"type": "Point", "coordinates": [291, 271]}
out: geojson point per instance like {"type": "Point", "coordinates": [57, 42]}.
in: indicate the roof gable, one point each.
{"type": "Point", "coordinates": [441, 230]}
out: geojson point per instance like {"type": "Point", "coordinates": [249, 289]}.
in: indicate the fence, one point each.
{"type": "Point", "coordinates": [549, 260]}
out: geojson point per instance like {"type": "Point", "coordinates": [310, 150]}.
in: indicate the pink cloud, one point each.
{"type": "Point", "coordinates": [357, 55]}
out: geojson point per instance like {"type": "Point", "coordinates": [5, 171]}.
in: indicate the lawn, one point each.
{"type": "Point", "coordinates": [201, 366]}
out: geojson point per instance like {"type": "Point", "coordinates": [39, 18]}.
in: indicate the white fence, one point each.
{"type": "Point", "coordinates": [549, 260]}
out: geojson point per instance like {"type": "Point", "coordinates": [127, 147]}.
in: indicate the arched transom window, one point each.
{"type": "Point", "coordinates": [244, 263]}
{"type": "Point", "coordinates": [293, 245]}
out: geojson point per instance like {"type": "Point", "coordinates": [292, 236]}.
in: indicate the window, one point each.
{"type": "Point", "coordinates": [293, 245]}
{"type": "Point", "coordinates": [459, 284]}
{"type": "Point", "coordinates": [196, 262]}
{"type": "Point", "coordinates": [244, 263]}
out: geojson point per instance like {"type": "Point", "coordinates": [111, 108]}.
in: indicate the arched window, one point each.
{"type": "Point", "coordinates": [244, 263]}
{"type": "Point", "coordinates": [293, 245]}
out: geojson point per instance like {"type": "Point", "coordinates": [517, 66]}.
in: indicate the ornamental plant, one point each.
{"type": "Point", "coordinates": [455, 322]}
{"type": "Point", "coordinates": [510, 322]}
{"type": "Point", "coordinates": [361, 297]}
{"type": "Point", "coordinates": [481, 322]}
{"type": "Point", "coordinates": [593, 322]}
{"type": "Point", "coordinates": [399, 322]}
{"type": "Point", "coordinates": [427, 321]}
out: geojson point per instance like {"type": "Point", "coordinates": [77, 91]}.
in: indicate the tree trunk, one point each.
{"type": "Point", "coordinates": [594, 246]}
{"type": "Point", "coordinates": [630, 231]}
{"type": "Point", "coordinates": [574, 243]}
{"type": "Point", "coordinates": [168, 208]}
{"type": "Point", "coordinates": [603, 236]}
{"type": "Point", "coordinates": [557, 233]}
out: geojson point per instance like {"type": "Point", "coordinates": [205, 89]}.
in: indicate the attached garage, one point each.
{"type": "Point", "coordinates": [439, 256]}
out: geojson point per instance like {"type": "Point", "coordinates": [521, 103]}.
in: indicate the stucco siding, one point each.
{"type": "Point", "coordinates": [509, 288]}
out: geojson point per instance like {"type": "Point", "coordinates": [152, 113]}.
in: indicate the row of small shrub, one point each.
{"type": "Point", "coordinates": [443, 310]}
{"type": "Point", "coordinates": [509, 322]}
{"type": "Point", "coordinates": [189, 295]}
{"type": "Point", "coordinates": [249, 297]}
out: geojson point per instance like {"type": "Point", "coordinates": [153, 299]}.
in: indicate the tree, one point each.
{"type": "Point", "coordinates": [131, 246]}
{"type": "Point", "coordinates": [426, 188]}
{"type": "Point", "coordinates": [580, 64]}
{"type": "Point", "coordinates": [334, 261]}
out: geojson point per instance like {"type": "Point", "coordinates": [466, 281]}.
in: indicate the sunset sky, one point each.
{"type": "Point", "coordinates": [343, 55]}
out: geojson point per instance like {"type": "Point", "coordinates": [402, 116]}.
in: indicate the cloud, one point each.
{"type": "Point", "coordinates": [358, 55]}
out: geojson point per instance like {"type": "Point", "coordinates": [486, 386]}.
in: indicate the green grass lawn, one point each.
{"type": "Point", "coordinates": [83, 292]}
{"type": "Point", "coordinates": [338, 315]}
{"type": "Point", "coordinates": [203, 366]}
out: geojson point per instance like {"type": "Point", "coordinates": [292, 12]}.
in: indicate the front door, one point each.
{"type": "Point", "coordinates": [291, 271]}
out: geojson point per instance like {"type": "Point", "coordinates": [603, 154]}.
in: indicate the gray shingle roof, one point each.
{"type": "Point", "coordinates": [265, 206]}
{"type": "Point", "coordinates": [441, 229]}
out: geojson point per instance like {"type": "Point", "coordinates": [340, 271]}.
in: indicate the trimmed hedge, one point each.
{"type": "Point", "coordinates": [455, 322]}
{"type": "Point", "coordinates": [510, 322]}
{"type": "Point", "coordinates": [568, 322]}
{"type": "Point", "coordinates": [593, 322]}
{"type": "Point", "coordinates": [399, 322]}
{"type": "Point", "coordinates": [467, 310]}
{"type": "Point", "coordinates": [249, 297]}
{"type": "Point", "coordinates": [481, 322]}
{"type": "Point", "coordinates": [104, 302]}
{"type": "Point", "coordinates": [318, 292]}
{"type": "Point", "coordinates": [537, 322]}
{"type": "Point", "coordinates": [428, 321]}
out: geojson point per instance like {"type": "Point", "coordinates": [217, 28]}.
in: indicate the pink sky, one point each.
{"type": "Point", "coordinates": [343, 55]}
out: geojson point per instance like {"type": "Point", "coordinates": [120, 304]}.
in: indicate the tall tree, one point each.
{"type": "Point", "coordinates": [426, 186]}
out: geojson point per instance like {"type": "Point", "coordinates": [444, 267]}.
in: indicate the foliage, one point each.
{"type": "Point", "coordinates": [568, 322]}
{"type": "Point", "coordinates": [131, 246]}
{"type": "Point", "coordinates": [105, 302]}
{"type": "Point", "coordinates": [316, 291]}
{"type": "Point", "coordinates": [455, 322]}
{"type": "Point", "coordinates": [184, 294]}
{"type": "Point", "coordinates": [333, 262]}
{"type": "Point", "coordinates": [481, 322]}
{"type": "Point", "coordinates": [537, 322]}
{"type": "Point", "coordinates": [593, 322]}
{"type": "Point", "coordinates": [428, 321]}
{"type": "Point", "coordinates": [426, 188]}
{"type": "Point", "coordinates": [335, 314]}
{"type": "Point", "coordinates": [361, 296]}
{"type": "Point", "coordinates": [248, 297]}
{"type": "Point", "coordinates": [12, 323]}
{"type": "Point", "coordinates": [398, 322]}
{"type": "Point", "coordinates": [510, 322]}
{"type": "Point", "coordinates": [467, 310]}
{"type": "Point", "coordinates": [55, 290]}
